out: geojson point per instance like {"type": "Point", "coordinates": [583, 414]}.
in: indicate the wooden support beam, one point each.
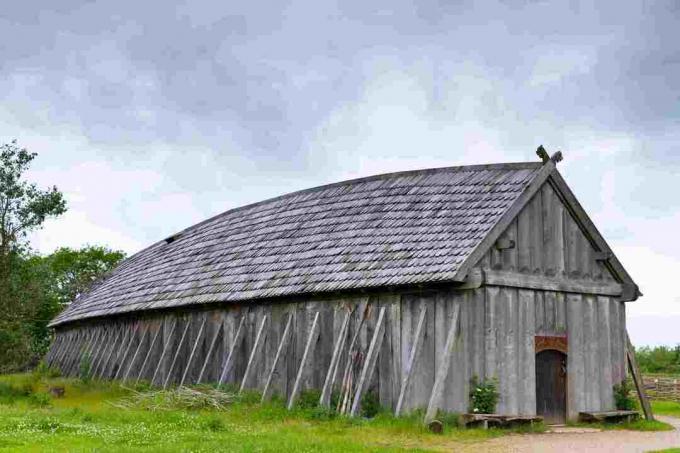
{"type": "Point", "coordinates": [152, 345]}
{"type": "Point", "coordinates": [345, 394]}
{"type": "Point", "coordinates": [309, 351]}
{"type": "Point", "coordinates": [443, 370]}
{"type": "Point", "coordinates": [637, 379]}
{"type": "Point", "coordinates": [178, 351]}
{"type": "Point", "coordinates": [125, 355]}
{"type": "Point", "coordinates": [279, 352]}
{"type": "Point", "coordinates": [73, 355]}
{"type": "Point", "coordinates": [254, 354]}
{"type": "Point", "coordinates": [417, 341]}
{"type": "Point", "coordinates": [238, 337]}
{"type": "Point", "coordinates": [369, 363]}
{"type": "Point", "coordinates": [54, 350]}
{"type": "Point", "coordinates": [113, 359]}
{"type": "Point", "coordinates": [145, 332]}
{"type": "Point", "coordinates": [543, 283]}
{"type": "Point", "coordinates": [103, 363]}
{"type": "Point", "coordinates": [166, 345]}
{"type": "Point", "coordinates": [209, 354]}
{"type": "Point", "coordinates": [199, 338]}
{"type": "Point", "coordinates": [325, 400]}
{"type": "Point", "coordinates": [101, 349]}
{"type": "Point", "coordinates": [62, 347]}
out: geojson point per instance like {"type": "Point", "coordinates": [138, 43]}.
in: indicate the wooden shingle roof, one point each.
{"type": "Point", "coordinates": [394, 229]}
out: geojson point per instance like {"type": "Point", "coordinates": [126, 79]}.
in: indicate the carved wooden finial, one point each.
{"type": "Point", "coordinates": [557, 157]}
{"type": "Point", "coordinates": [543, 154]}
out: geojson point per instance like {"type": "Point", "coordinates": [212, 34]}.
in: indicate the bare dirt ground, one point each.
{"type": "Point", "coordinates": [603, 441]}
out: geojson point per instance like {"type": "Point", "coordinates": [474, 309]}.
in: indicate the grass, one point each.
{"type": "Point", "coordinates": [671, 408]}
{"type": "Point", "coordinates": [107, 417]}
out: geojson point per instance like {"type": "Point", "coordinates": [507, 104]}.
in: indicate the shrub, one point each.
{"type": "Point", "coordinates": [483, 396]}
{"type": "Point", "coordinates": [39, 399]}
{"type": "Point", "coordinates": [622, 397]}
{"type": "Point", "coordinates": [309, 399]}
{"type": "Point", "coordinates": [43, 370]}
{"type": "Point", "coordinates": [370, 405]}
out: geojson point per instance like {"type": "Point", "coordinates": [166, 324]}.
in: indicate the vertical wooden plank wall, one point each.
{"type": "Point", "coordinates": [497, 327]}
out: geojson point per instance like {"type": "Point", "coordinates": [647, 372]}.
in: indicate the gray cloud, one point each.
{"type": "Point", "coordinates": [154, 115]}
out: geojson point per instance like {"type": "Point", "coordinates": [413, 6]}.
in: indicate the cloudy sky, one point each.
{"type": "Point", "coordinates": [151, 116]}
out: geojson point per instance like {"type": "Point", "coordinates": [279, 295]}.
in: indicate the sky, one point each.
{"type": "Point", "coordinates": [151, 116]}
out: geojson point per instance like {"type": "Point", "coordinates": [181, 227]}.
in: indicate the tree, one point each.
{"type": "Point", "coordinates": [23, 295]}
{"type": "Point", "coordinates": [74, 271]}
{"type": "Point", "coordinates": [23, 207]}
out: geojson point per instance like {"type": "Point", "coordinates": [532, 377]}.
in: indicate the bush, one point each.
{"type": "Point", "coordinates": [43, 370]}
{"type": "Point", "coordinates": [483, 396]}
{"type": "Point", "coordinates": [370, 405]}
{"type": "Point", "coordinates": [622, 397]}
{"type": "Point", "coordinates": [39, 399]}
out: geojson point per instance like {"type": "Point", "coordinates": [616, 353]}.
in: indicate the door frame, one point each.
{"type": "Point", "coordinates": [559, 343]}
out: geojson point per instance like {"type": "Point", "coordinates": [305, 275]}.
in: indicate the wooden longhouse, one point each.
{"type": "Point", "coordinates": [404, 284]}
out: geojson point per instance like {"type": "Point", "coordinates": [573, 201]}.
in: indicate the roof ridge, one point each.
{"type": "Point", "coordinates": [422, 171]}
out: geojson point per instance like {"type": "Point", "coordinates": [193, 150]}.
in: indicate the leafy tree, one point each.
{"type": "Point", "coordinates": [23, 295]}
{"type": "Point", "coordinates": [23, 206]}
{"type": "Point", "coordinates": [74, 271]}
{"type": "Point", "coordinates": [659, 359]}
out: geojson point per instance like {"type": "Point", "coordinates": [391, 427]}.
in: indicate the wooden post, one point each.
{"type": "Point", "coordinates": [199, 337]}
{"type": "Point", "coordinates": [259, 339]}
{"type": "Point", "coordinates": [66, 339]}
{"type": "Point", "coordinates": [113, 358]}
{"type": "Point", "coordinates": [415, 349]}
{"type": "Point", "coordinates": [165, 349]}
{"type": "Point", "coordinates": [637, 379]}
{"type": "Point", "coordinates": [101, 349]}
{"type": "Point", "coordinates": [443, 371]}
{"type": "Point", "coordinates": [227, 363]}
{"type": "Point", "coordinates": [152, 345]}
{"type": "Point", "coordinates": [369, 363]}
{"type": "Point", "coordinates": [178, 351]}
{"type": "Point", "coordinates": [127, 351]}
{"type": "Point", "coordinates": [209, 353]}
{"type": "Point", "coordinates": [279, 353]}
{"type": "Point", "coordinates": [134, 356]}
{"type": "Point", "coordinates": [309, 350]}
{"type": "Point", "coordinates": [103, 364]}
{"type": "Point", "coordinates": [325, 400]}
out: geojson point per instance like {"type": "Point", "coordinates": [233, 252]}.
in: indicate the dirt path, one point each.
{"type": "Point", "coordinates": [603, 441]}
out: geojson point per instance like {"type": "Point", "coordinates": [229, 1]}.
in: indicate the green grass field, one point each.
{"type": "Point", "coordinates": [666, 408]}
{"type": "Point", "coordinates": [107, 417]}
{"type": "Point", "coordinates": [86, 419]}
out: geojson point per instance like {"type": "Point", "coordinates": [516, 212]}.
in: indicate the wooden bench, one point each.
{"type": "Point", "coordinates": [608, 416]}
{"type": "Point", "coordinates": [496, 420]}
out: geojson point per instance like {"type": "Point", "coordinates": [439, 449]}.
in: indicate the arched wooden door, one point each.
{"type": "Point", "coordinates": [551, 386]}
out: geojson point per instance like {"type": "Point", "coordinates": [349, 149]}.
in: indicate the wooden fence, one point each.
{"type": "Point", "coordinates": [659, 387]}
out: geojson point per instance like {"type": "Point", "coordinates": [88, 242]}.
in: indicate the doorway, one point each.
{"type": "Point", "coordinates": [551, 386]}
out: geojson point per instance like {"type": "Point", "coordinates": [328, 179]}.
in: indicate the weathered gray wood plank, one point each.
{"type": "Point", "coordinates": [311, 343]}
{"type": "Point", "coordinates": [285, 337]}
{"type": "Point", "coordinates": [165, 350]}
{"type": "Point", "coordinates": [190, 361]}
{"type": "Point", "coordinates": [325, 399]}
{"type": "Point", "coordinates": [415, 349]}
{"type": "Point", "coordinates": [145, 333]}
{"type": "Point", "coordinates": [369, 362]}
{"type": "Point", "coordinates": [238, 337]}
{"type": "Point", "coordinates": [149, 352]}
{"type": "Point", "coordinates": [443, 369]}
{"type": "Point", "coordinates": [209, 353]}
{"type": "Point", "coordinates": [255, 353]}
